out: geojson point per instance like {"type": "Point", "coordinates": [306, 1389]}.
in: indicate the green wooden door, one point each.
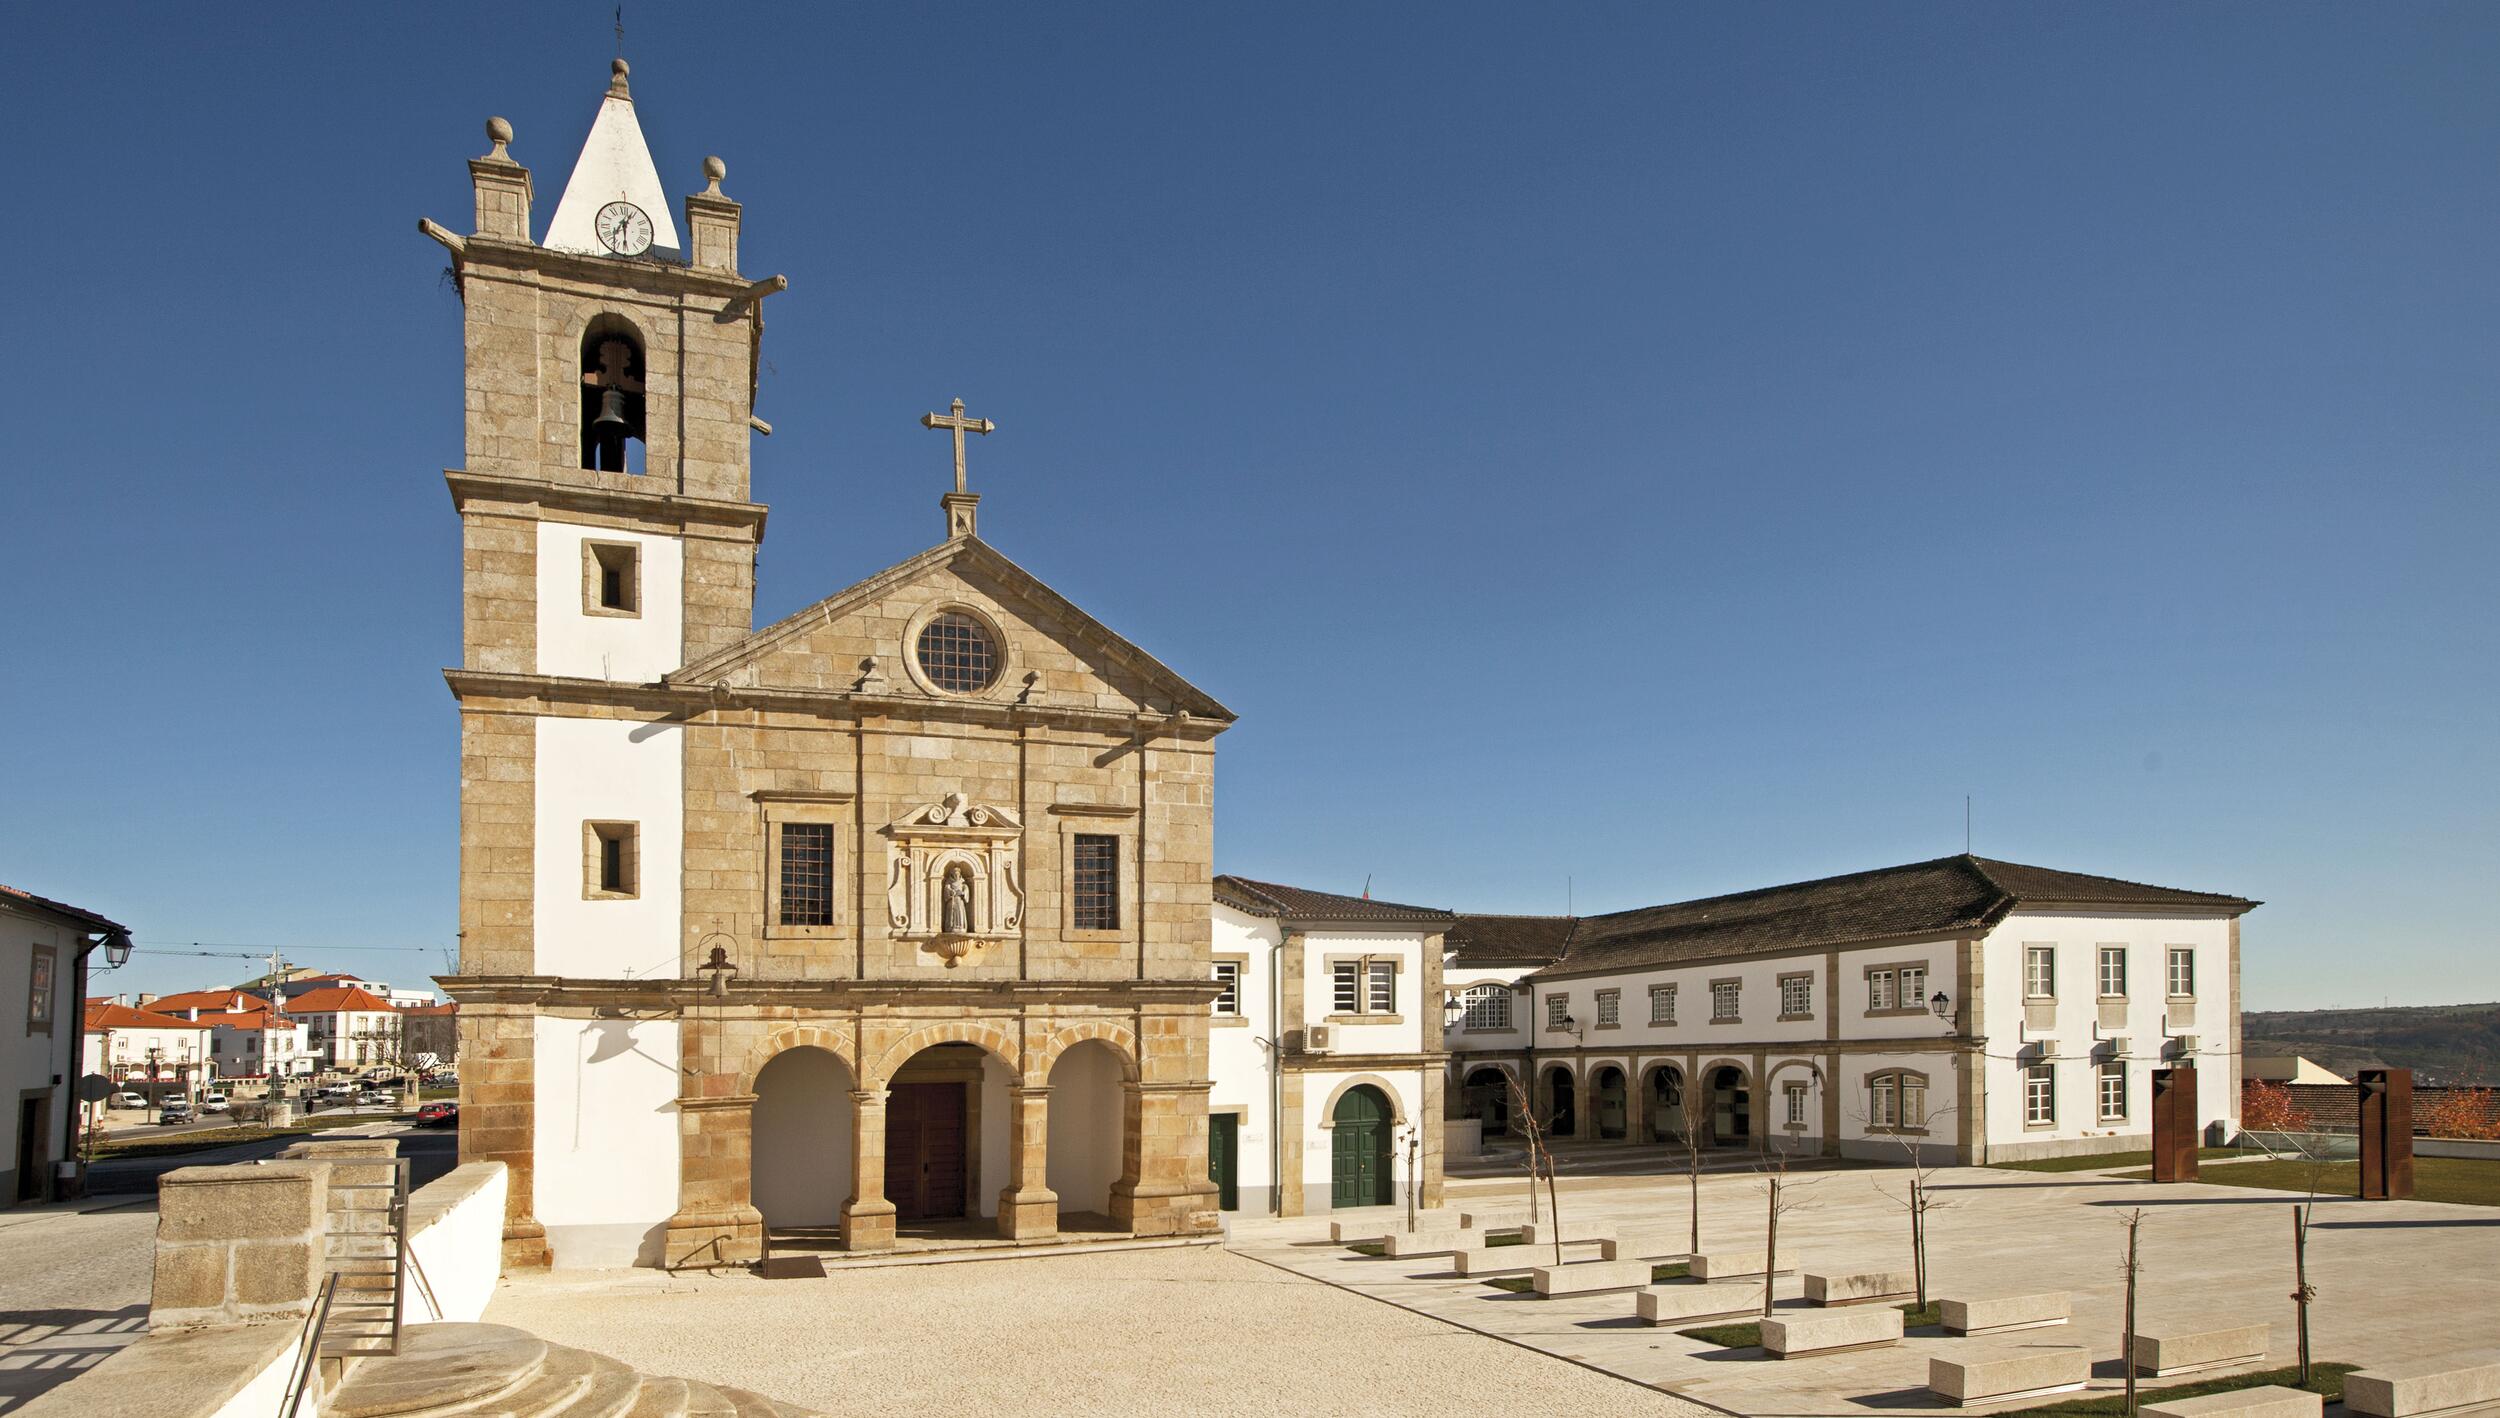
{"type": "Point", "coordinates": [1359, 1149]}
{"type": "Point", "coordinates": [1224, 1158]}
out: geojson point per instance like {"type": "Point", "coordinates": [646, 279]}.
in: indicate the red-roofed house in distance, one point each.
{"type": "Point", "coordinates": [432, 1035]}
{"type": "Point", "coordinates": [250, 1038]}
{"type": "Point", "coordinates": [44, 945]}
{"type": "Point", "coordinates": [348, 1027]}
{"type": "Point", "coordinates": [144, 1050]}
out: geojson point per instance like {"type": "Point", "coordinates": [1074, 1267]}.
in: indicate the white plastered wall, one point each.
{"type": "Point", "coordinates": [608, 770]}
{"type": "Point", "coordinates": [802, 1139]}
{"type": "Point", "coordinates": [1406, 1036]}
{"type": "Point", "coordinates": [1238, 1064]}
{"type": "Point", "coordinates": [1086, 1102]}
{"type": "Point", "coordinates": [606, 1138]}
{"type": "Point", "coordinates": [633, 649]}
{"type": "Point", "coordinates": [1406, 1089]}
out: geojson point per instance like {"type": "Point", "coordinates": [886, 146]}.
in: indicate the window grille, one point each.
{"type": "Point", "coordinates": [1488, 1007]}
{"type": "Point", "coordinates": [1384, 991]}
{"type": "Point", "coordinates": [1557, 1009]}
{"type": "Point", "coordinates": [1228, 987]}
{"type": "Point", "coordinates": [1349, 987]}
{"type": "Point", "coordinates": [1725, 1001]}
{"type": "Point", "coordinates": [1096, 896]}
{"type": "Point", "coordinates": [1610, 1006]}
{"type": "Point", "coordinates": [957, 654]}
{"type": "Point", "coordinates": [1662, 1004]}
{"type": "Point", "coordinates": [807, 873]}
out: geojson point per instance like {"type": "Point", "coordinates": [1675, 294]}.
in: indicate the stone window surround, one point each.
{"type": "Point", "coordinates": [1904, 1005]}
{"type": "Point", "coordinates": [2045, 1073]}
{"type": "Point", "coordinates": [1105, 824]}
{"type": "Point", "coordinates": [1784, 1017]}
{"type": "Point", "coordinates": [1557, 1008]}
{"type": "Point", "coordinates": [1659, 993]}
{"type": "Point", "coordinates": [595, 555]}
{"type": "Point", "coordinates": [2100, 969]}
{"type": "Point", "coordinates": [1609, 1002]}
{"type": "Point", "coordinates": [779, 807]}
{"type": "Point", "coordinates": [1901, 1079]}
{"type": "Point", "coordinates": [2050, 947]}
{"type": "Point", "coordinates": [1362, 987]}
{"type": "Point", "coordinates": [2170, 973]}
{"type": "Point", "coordinates": [1004, 682]}
{"type": "Point", "coordinates": [1240, 1017]}
{"type": "Point", "coordinates": [1737, 1016]}
{"type": "Point", "coordinates": [2100, 1092]}
{"type": "Point", "coordinates": [1511, 1010]}
{"type": "Point", "coordinates": [594, 832]}
{"type": "Point", "coordinates": [1793, 1098]}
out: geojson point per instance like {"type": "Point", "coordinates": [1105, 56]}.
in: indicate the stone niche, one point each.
{"type": "Point", "coordinates": [953, 878]}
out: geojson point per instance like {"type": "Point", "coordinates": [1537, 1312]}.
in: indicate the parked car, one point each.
{"type": "Point", "coordinates": [439, 1115]}
{"type": "Point", "coordinates": [373, 1098]}
{"type": "Point", "coordinates": [127, 1099]}
{"type": "Point", "coordinates": [213, 1102]}
{"type": "Point", "coordinates": [176, 1112]}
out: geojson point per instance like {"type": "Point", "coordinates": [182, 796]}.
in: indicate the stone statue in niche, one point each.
{"type": "Point", "coordinates": [958, 915]}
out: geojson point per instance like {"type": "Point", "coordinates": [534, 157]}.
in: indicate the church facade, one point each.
{"type": "Point", "coordinates": [892, 914]}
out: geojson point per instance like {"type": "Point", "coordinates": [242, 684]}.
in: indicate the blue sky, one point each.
{"type": "Point", "coordinates": [1637, 451]}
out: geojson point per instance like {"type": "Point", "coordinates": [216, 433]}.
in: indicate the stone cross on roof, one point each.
{"type": "Point", "coordinates": [960, 503]}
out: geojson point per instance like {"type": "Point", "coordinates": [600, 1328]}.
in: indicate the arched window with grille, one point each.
{"type": "Point", "coordinates": [1488, 1007]}
{"type": "Point", "coordinates": [1896, 1101]}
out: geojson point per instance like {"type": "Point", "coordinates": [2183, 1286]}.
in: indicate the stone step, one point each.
{"type": "Point", "coordinates": [438, 1368]}
{"type": "Point", "coordinates": [705, 1401]}
{"type": "Point", "coordinates": [563, 1379]}
{"type": "Point", "coordinates": [659, 1398]}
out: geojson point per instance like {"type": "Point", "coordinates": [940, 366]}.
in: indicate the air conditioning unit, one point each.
{"type": "Point", "coordinates": [2183, 1048]}
{"type": "Point", "coordinates": [2117, 1046]}
{"type": "Point", "coordinates": [1318, 1039]}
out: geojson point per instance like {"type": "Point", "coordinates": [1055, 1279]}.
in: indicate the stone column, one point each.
{"type": "Point", "coordinates": [1435, 1141]}
{"type": "Point", "coordinates": [716, 1221]}
{"type": "Point", "coordinates": [1635, 1105]}
{"type": "Point", "coordinates": [1584, 1107]}
{"type": "Point", "coordinates": [868, 1218]}
{"type": "Point", "coordinates": [499, 1115]}
{"type": "Point", "coordinates": [1028, 1207]}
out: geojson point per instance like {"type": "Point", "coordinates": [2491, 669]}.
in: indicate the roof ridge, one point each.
{"type": "Point", "coordinates": [1782, 886]}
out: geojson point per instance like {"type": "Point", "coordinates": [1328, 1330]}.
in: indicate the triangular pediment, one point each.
{"type": "Point", "coordinates": [862, 640]}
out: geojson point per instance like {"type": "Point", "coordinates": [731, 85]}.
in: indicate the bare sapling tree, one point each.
{"type": "Point", "coordinates": [2315, 1150]}
{"type": "Point", "coordinates": [1532, 1128]}
{"type": "Point", "coordinates": [2134, 1222]}
{"type": "Point", "coordinates": [1695, 1106]}
{"type": "Point", "coordinates": [1780, 1193]}
{"type": "Point", "coordinates": [1921, 1199]}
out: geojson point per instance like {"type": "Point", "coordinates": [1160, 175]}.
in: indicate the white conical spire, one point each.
{"type": "Point", "coordinates": [615, 166]}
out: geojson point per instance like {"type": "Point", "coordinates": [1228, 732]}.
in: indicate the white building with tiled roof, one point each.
{"type": "Point", "coordinates": [347, 1027]}
{"type": "Point", "coordinates": [44, 945]}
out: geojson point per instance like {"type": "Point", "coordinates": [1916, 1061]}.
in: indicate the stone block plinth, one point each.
{"type": "Point", "coordinates": [236, 1244]}
{"type": "Point", "coordinates": [1589, 1277]}
{"type": "Point", "coordinates": [1997, 1313]}
{"type": "Point", "coordinates": [2423, 1386]}
{"type": "Point", "coordinates": [1697, 1304]}
{"type": "Point", "coordinates": [1798, 1333]}
{"type": "Point", "coordinates": [2188, 1349]}
{"type": "Point", "coordinates": [1858, 1288]}
{"type": "Point", "coordinates": [1733, 1265]}
{"type": "Point", "coordinates": [2030, 1371]}
{"type": "Point", "coordinates": [2269, 1401]}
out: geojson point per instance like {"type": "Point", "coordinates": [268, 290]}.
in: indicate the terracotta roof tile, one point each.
{"type": "Point", "coordinates": [104, 1014]}
{"type": "Point", "coordinates": [338, 999]}
{"type": "Point", "coordinates": [62, 907]}
{"type": "Point", "coordinates": [1267, 898]}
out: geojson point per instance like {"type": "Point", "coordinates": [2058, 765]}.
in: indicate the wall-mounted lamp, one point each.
{"type": "Point", "coordinates": [1942, 1006]}
{"type": "Point", "coordinates": [116, 948]}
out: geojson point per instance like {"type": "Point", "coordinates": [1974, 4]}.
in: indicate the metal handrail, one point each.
{"type": "Point", "coordinates": [308, 1354]}
{"type": "Point", "coordinates": [399, 1266]}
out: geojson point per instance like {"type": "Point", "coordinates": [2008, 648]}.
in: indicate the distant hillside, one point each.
{"type": "Point", "coordinates": [2441, 1043]}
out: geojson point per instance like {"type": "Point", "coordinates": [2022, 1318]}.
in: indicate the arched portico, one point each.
{"type": "Point", "coordinates": [1663, 1102]}
{"type": "Point", "coordinates": [1607, 1090]}
{"type": "Point", "coordinates": [1558, 1100]}
{"type": "Point", "coordinates": [1730, 1119]}
{"type": "Point", "coordinates": [1485, 1095]}
{"type": "Point", "coordinates": [801, 1153]}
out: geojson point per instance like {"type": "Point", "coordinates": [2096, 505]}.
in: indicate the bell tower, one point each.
{"type": "Point", "coordinates": [607, 539]}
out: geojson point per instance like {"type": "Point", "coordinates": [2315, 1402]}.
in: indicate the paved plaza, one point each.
{"type": "Point", "coordinates": [2394, 1279]}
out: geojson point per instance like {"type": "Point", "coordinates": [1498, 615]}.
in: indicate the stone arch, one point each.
{"type": "Point", "coordinates": [1388, 1090]}
{"type": "Point", "coordinates": [962, 1031]}
{"type": "Point", "coordinates": [1708, 1071]}
{"type": "Point", "coordinates": [1121, 1038]}
{"type": "Point", "coordinates": [796, 1036]}
{"type": "Point", "coordinates": [615, 405]}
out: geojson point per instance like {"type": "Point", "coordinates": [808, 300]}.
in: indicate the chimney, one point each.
{"type": "Point", "coordinates": [146, 999]}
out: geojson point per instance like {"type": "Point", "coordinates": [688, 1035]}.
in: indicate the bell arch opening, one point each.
{"type": "Point", "coordinates": [615, 410]}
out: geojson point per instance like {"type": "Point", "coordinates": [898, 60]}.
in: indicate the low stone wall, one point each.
{"type": "Point", "coordinates": [455, 1241]}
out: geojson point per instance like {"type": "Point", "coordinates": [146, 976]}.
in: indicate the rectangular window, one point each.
{"type": "Point", "coordinates": [2113, 1092]}
{"type": "Point", "coordinates": [1488, 1007]}
{"type": "Point", "coordinates": [1913, 987]}
{"type": "Point", "coordinates": [1796, 996]}
{"type": "Point", "coordinates": [2113, 972]}
{"type": "Point", "coordinates": [807, 873]}
{"type": "Point", "coordinates": [1883, 1100]}
{"type": "Point", "coordinates": [2039, 1097]}
{"type": "Point", "coordinates": [611, 578]}
{"type": "Point", "coordinates": [2182, 972]}
{"type": "Point", "coordinates": [1096, 882]}
{"type": "Point", "coordinates": [39, 973]}
{"type": "Point", "coordinates": [1725, 1000]}
{"type": "Point", "coordinates": [614, 863]}
{"type": "Point", "coordinates": [1879, 995]}
{"type": "Point", "coordinates": [1913, 1102]}
{"type": "Point", "coordinates": [1557, 1009]}
{"type": "Point", "coordinates": [1384, 995]}
{"type": "Point", "coordinates": [1346, 978]}
{"type": "Point", "coordinates": [1796, 1093]}
{"type": "Point", "coordinates": [1662, 1004]}
{"type": "Point", "coordinates": [1609, 1008]}
{"type": "Point", "coordinates": [1228, 987]}
{"type": "Point", "coordinates": [2039, 972]}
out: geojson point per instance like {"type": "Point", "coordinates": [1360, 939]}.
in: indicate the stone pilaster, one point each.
{"type": "Point", "coordinates": [1436, 1087]}
{"type": "Point", "coordinates": [868, 1218]}
{"type": "Point", "coordinates": [499, 1115]}
{"type": "Point", "coordinates": [1028, 1207]}
{"type": "Point", "coordinates": [239, 1244]}
{"type": "Point", "coordinates": [1163, 1189]}
{"type": "Point", "coordinates": [716, 1221]}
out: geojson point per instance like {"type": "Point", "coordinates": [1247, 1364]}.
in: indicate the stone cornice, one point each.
{"type": "Point", "coordinates": [549, 992]}
{"type": "Point", "coordinates": [676, 509]}
{"type": "Point", "coordinates": [652, 277]}
{"type": "Point", "coordinates": [1347, 1063]}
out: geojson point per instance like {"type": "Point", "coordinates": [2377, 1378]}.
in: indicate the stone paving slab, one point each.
{"type": "Point", "coordinates": [2213, 1256]}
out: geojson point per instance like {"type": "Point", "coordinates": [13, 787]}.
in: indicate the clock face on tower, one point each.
{"type": "Point", "coordinates": [624, 229]}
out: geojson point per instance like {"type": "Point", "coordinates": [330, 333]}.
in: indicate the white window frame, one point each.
{"type": "Point", "coordinates": [1795, 1093]}
{"type": "Point", "coordinates": [1228, 999]}
{"type": "Point", "coordinates": [2039, 972]}
{"type": "Point", "coordinates": [1879, 991]}
{"type": "Point", "coordinates": [2182, 974]}
{"type": "Point", "coordinates": [1557, 1009]}
{"type": "Point", "coordinates": [1380, 995]}
{"type": "Point", "coordinates": [2114, 1071]}
{"type": "Point", "coordinates": [1727, 1001]}
{"type": "Point", "coordinates": [2039, 1096]}
{"type": "Point", "coordinates": [1488, 1008]}
{"type": "Point", "coordinates": [1609, 1008]}
{"type": "Point", "coordinates": [1913, 987]}
{"type": "Point", "coordinates": [1662, 1004]}
{"type": "Point", "coordinates": [1345, 987]}
{"type": "Point", "coordinates": [1798, 990]}
{"type": "Point", "coordinates": [1883, 1102]}
{"type": "Point", "coordinates": [2112, 956]}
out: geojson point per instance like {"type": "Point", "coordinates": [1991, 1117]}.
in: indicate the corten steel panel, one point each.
{"type": "Point", "coordinates": [2175, 1124]}
{"type": "Point", "coordinates": [2386, 1097]}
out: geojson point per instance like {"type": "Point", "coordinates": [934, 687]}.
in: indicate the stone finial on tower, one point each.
{"type": "Point", "coordinates": [712, 222]}
{"type": "Point", "coordinates": [503, 187]}
{"type": "Point", "coordinates": [618, 69]}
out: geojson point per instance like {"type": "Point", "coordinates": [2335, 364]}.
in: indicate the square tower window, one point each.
{"type": "Point", "coordinates": [611, 578]}
{"type": "Point", "coordinates": [611, 866]}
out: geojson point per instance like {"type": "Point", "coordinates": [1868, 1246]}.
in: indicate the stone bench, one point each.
{"type": "Point", "coordinates": [1428, 1243]}
{"type": "Point", "coordinates": [2269, 1401]}
{"type": "Point", "coordinates": [2028, 1372]}
{"type": "Point", "coordinates": [1590, 1277]}
{"type": "Point", "coordinates": [1381, 1227]}
{"type": "Point", "coordinates": [1541, 1233]}
{"type": "Point", "coordinates": [1861, 1288]}
{"type": "Point", "coordinates": [1999, 1313]}
{"type": "Point", "coordinates": [1501, 1260]}
{"type": "Point", "coordinates": [1642, 1248]}
{"type": "Point", "coordinates": [1734, 1265]}
{"type": "Point", "coordinates": [2177, 1349]}
{"type": "Point", "coordinates": [1508, 1218]}
{"type": "Point", "coordinates": [1797, 1334]}
{"type": "Point", "coordinates": [2423, 1386]}
{"type": "Point", "coordinates": [1697, 1304]}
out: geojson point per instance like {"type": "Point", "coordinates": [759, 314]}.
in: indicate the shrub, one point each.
{"type": "Point", "coordinates": [2267, 1107]}
{"type": "Point", "coordinates": [2459, 1112]}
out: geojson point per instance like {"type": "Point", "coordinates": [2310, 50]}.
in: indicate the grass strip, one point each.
{"type": "Point", "coordinates": [143, 1147]}
{"type": "Point", "coordinates": [2461, 1181]}
{"type": "Point", "coordinates": [2326, 1380]}
{"type": "Point", "coordinates": [1749, 1334]}
{"type": "Point", "coordinates": [1521, 1284]}
{"type": "Point", "coordinates": [2097, 1161]}
{"type": "Point", "coordinates": [1378, 1248]}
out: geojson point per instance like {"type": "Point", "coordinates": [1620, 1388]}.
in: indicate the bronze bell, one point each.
{"type": "Point", "coordinates": [611, 420]}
